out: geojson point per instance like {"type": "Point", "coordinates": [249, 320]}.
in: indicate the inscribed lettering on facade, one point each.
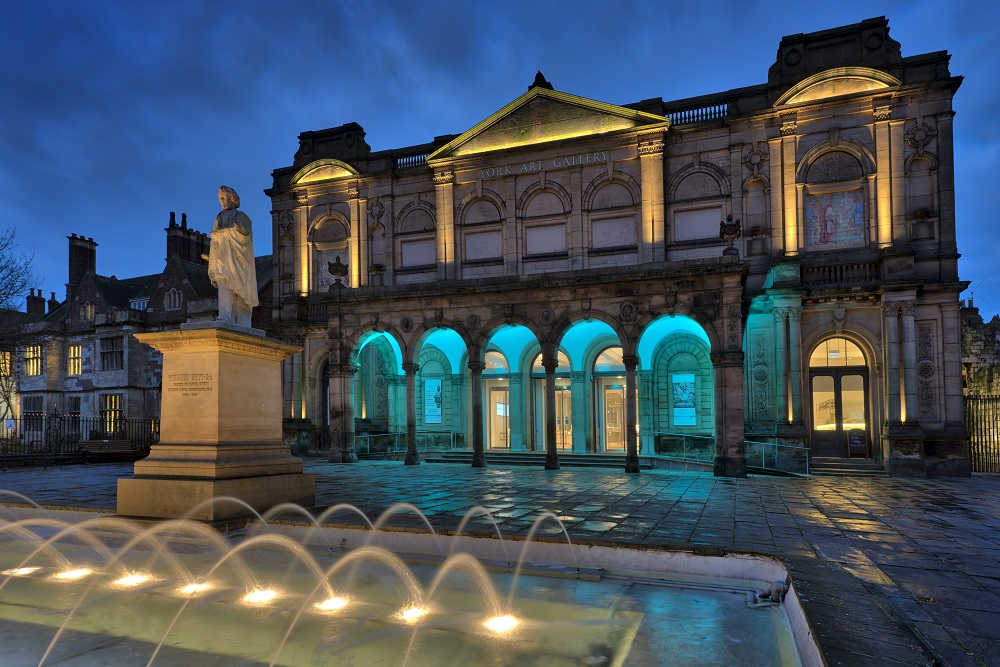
{"type": "Point", "coordinates": [835, 220]}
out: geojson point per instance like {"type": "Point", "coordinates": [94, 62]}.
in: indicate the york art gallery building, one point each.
{"type": "Point", "coordinates": [560, 276]}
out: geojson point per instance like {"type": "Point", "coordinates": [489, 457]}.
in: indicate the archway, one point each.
{"type": "Point", "coordinates": [838, 387]}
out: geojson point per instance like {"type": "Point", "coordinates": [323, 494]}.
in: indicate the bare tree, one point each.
{"type": "Point", "coordinates": [17, 328]}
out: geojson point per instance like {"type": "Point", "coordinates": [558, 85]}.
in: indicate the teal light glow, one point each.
{"type": "Point", "coordinates": [662, 327]}
{"type": "Point", "coordinates": [373, 335]}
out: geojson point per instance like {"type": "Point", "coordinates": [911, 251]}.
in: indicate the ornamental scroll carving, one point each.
{"type": "Point", "coordinates": [760, 376]}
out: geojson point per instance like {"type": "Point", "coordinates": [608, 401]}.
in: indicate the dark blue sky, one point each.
{"type": "Point", "coordinates": [116, 113]}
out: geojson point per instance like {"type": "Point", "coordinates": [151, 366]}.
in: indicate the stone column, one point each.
{"type": "Point", "coordinates": [549, 363]}
{"type": "Point", "coordinates": [778, 238]}
{"type": "Point", "coordinates": [631, 421]}
{"type": "Point", "coordinates": [397, 394]}
{"type": "Point", "coordinates": [412, 458]}
{"type": "Point", "coordinates": [358, 207]}
{"type": "Point", "coordinates": [515, 414]}
{"type": "Point", "coordinates": [444, 184]}
{"type": "Point", "coordinates": [891, 310]}
{"type": "Point", "coordinates": [883, 176]}
{"type": "Point", "coordinates": [342, 413]}
{"type": "Point", "coordinates": [730, 458]}
{"type": "Point", "coordinates": [651, 245]}
{"type": "Point", "coordinates": [795, 362]}
{"type": "Point", "coordinates": [781, 354]}
{"type": "Point", "coordinates": [789, 195]}
{"type": "Point", "coordinates": [478, 456]}
{"type": "Point", "coordinates": [910, 379]}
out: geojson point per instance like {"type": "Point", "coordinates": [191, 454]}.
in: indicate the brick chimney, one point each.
{"type": "Point", "coordinates": [53, 301]}
{"type": "Point", "coordinates": [82, 258]}
{"type": "Point", "coordinates": [187, 244]}
{"type": "Point", "coordinates": [36, 303]}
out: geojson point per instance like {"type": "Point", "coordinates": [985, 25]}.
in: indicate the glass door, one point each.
{"type": "Point", "coordinates": [499, 416]}
{"type": "Point", "coordinates": [840, 414]}
{"type": "Point", "coordinates": [612, 415]}
{"type": "Point", "coordinates": [564, 412]}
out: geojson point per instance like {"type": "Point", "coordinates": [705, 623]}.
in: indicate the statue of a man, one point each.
{"type": "Point", "coordinates": [230, 261]}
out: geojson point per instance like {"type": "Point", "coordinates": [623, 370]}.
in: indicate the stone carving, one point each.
{"type": "Point", "coordinates": [729, 231]}
{"type": "Point", "coordinates": [338, 270]}
{"type": "Point", "coordinates": [473, 321]}
{"type": "Point", "coordinates": [754, 158]}
{"type": "Point", "coordinates": [547, 316]}
{"type": "Point", "coordinates": [882, 113]}
{"type": "Point", "coordinates": [627, 312]}
{"type": "Point", "coordinates": [444, 178]}
{"type": "Point", "coordinates": [354, 191]}
{"type": "Point", "coordinates": [926, 371]}
{"type": "Point", "coordinates": [919, 137]}
{"type": "Point", "coordinates": [376, 210]}
{"type": "Point", "coordinates": [780, 315]}
{"type": "Point", "coordinates": [788, 128]}
{"type": "Point", "coordinates": [406, 324]}
{"type": "Point", "coordinates": [286, 223]}
{"type": "Point", "coordinates": [651, 148]}
{"type": "Point", "coordinates": [231, 266]}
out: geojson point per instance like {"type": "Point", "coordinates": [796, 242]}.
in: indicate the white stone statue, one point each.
{"type": "Point", "coordinates": [230, 261]}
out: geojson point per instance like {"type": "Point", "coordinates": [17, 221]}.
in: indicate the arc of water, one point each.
{"type": "Point", "coordinates": [23, 528]}
{"type": "Point", "coordinates": [201, 530]}
{"type": "Point", "coordinates": [400, 507]}
{"type": "Point", "coordinates": [394, 562]}
{"type": "Point", "coordinates": [468, 517]}
{"type": "Point", "coordinates": [527, 542]}
{"type": "Point", "coordinates": [21, 496]}
{"type": "Point", "coordinates": [219, 500]}
{"type": "Point", "coordinates": [71, 529]}
{"type": "Point", "coordinates": [471, 564]}
{"type": "Point", "coordinates": [253, 542]}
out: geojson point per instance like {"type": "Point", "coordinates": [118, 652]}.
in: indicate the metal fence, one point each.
{"type": "Point", "coordinates": [766, 455]}
{"type": "Point", "coordinates": [392, 445]}
{"type": "Point", "coordinates": [36, 438]}
{"type": "Point", "coordinates": [982, 418]}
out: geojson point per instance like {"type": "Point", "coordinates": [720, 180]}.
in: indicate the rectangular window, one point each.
{"type": "Point", "coordinates": [4, 364]}
{"type": "Point", "coordinates": [113, 353]}
{"type": "Point", "coordinates": [483, 245]}
{"type": "Point", "coordinates": [32, 413]}
{"type": "Point", "coordinates": [697, 224]}
{"type": "Point", "coordinates": [33, 360]}
{"type": "Point", "coordinates": [74, 360]}
{"type": "Point", "coordinates": [111, 412]}
{"type": "Point", "coordinates": [418, 252]}
{"type": "Point", "coordinates": [612, 232]}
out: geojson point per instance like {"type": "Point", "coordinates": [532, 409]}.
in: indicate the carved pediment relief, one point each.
{"type": "Point", "coordinates": [323, 170]}
{"type": "Point", "coordinates": [543, 115]}
{"type": "Point", "coordinates": [837, 82]}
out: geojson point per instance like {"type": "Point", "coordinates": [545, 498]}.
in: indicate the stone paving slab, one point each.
{"type": "Point", "coordinates": [891, 571]}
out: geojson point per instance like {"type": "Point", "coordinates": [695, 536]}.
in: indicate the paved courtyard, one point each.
{"type": "Point", "coordinates": [891, 571]}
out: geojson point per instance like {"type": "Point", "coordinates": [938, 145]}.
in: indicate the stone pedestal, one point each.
{"type": "Point", "coordinates": [905, 452]}
{"type": "Point", "coordinates": [220, 429]}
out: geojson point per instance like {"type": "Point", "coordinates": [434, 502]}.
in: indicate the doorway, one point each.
{"type": "Point", "coordinates": [611, 415]}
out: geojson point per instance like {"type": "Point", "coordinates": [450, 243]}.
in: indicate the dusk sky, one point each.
{"type": "Point", "coordinates": [116, 113]}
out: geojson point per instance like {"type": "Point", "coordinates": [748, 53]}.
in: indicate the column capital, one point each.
{"type": "Point", "coordinates": [630, 361]}
{"type": "Point", "coordinates": [780, 314]}
{"type": "Point", "coordinates": [477, 367]}
{"type": "Point", "coordinates": [654, 147]}
{"type": "Point", "coordinates": [550, 364]}
{"type": "Point", "coordinates": [794, 312]}
{"type": "Point", "coordinates": [444, 178]}
{"type": "Point", "coordinates": [411, 369]}
{"type": "Point", "coordinates": [891, 308]}
{"type": "Point", "coordinates": [906, 308]}
{"type": "Point", "coordinates": [515, 379]}
{"type": "Point", "coordinates": [578, 376]}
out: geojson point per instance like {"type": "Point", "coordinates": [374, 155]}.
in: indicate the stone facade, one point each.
{"type": "Point", "coordinates": [562, 277]}
{"type": "Point", "coordinates": [92, 365]}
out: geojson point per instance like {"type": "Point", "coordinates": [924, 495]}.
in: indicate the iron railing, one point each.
{"type": "Point", "coordinates": [36, 438]}
{"type": "Point", "coordinates": [765, 455]}
{"type": "Point", "coordinates": [391, 445]}
{"type": "Point", "coordinates": [982, 419]}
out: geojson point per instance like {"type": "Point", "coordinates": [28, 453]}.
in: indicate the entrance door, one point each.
{"type": "Point", "coordinates": [564, 415]}
{"type": "Point", "coordinates": [613, 414]}
{"type": "Point", "coordinates": [840, 414]}
{"type": "Point", "coordinates": [499, 407]}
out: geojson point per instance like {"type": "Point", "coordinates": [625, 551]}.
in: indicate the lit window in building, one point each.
{"type": "Point", "coordinates": [112, 353]}
{"type": "Point", "coordinates": [836, 352]}
{"type": "Point", "coordinates": [33, 360]}
{"type": "Point", "coordinates": [139, 304]}
{"type": "Point", "coordinates": [4, 364]}
{"type": "Point", "coordinates": [74, 360]}
{"type": "Point", "coordinates": [111, 412]}
{"type": "Point", "coordinates": [87, 311]}
{"type": "Point", "coordinates": [496, 363]}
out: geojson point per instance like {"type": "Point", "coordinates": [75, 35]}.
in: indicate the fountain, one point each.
{"type": "Point", "coordinates": [290, 589]}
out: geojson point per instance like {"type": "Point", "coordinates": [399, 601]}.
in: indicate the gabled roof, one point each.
{"type": "Point", "coordinates": [119, 293]}
{"type": "Point", "coordinates": [264, 266]}
{"type": "Point", "coordinates": [197, 276]}
{"type": "Point", "coordinates": [541, 116]}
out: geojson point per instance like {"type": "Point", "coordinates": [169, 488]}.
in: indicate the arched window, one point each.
{"type": "Point", "coordinates": [835, 203]}
{"type": "Point", "coordinates": [836, 352]}
{"type": "Point", "coordinates": [86, 311]}
{"type": "Point", "coordinates": [172, 299]}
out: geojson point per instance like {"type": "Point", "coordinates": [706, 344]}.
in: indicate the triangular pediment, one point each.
{"type": "Point", "coordinates": [541, 116]}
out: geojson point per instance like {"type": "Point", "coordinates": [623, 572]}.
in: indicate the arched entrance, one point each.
{"type": "Point", "coordinates": [838, 381]}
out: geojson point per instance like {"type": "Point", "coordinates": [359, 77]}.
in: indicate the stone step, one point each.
{"type": "Point", "coordinates": [837, 467]}
{"type": "Point", "coordinates": [607, 461]}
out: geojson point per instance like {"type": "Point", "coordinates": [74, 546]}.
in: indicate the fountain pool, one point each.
{"type": "Point", "coordinates": [89, 589]}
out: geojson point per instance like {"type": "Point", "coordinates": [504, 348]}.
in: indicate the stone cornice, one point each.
{"type": "Point", "coordinates": [218, 340]}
